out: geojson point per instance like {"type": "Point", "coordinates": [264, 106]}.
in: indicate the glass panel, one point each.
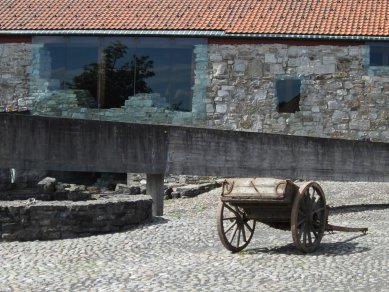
{"type": "Point", "coordinates": [172, 69]}
{"type": "Point", "coordinates": [52, 60]}
{"type": "Point", "coordinates": [134, 79]}
{"type": "Point", "coordinates": [70, 63]}
{"type": "Point", "coordinates": [118, 71]}
{"type": "Point", "coordinates": [58, 62]}
{"type": "Point", "coordinates": [82, 58]}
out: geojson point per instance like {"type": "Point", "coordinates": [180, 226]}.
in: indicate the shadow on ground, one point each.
{"type": "Point", "coordinates": [357, 208]}
{"type": "Point", "coordinates": [338, 248]}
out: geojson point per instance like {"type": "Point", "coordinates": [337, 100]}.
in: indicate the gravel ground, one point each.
{"type": "Point", "coordinates": [181, 251]}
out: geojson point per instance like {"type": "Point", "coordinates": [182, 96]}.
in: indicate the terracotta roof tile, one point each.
{"type": "Point", "coordinates": [335, 17]}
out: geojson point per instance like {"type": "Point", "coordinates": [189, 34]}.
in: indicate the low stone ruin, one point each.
{"type": "Point", "coordinates": [43, 220]}
{"type": "Point", "coordinates": [56, 210]}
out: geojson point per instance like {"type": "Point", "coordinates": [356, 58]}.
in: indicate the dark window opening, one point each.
{"type": "Point", "coordinates": [379, 54]}
{"type": "Point", "coordinates": [288, 95]}
{"type": "Point", "coordinates": [104, 72]}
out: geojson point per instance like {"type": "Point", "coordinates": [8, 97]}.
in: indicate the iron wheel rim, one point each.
{"type": "Point", "coordinates": [235, 229]}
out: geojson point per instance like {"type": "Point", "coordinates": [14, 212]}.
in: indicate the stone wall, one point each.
{"type": "Point", "coordinates": [341, 96]}
{"type": "Point", "coordinates": [41, 220]}
{"type": "Point", "coordinates": [15, 67]}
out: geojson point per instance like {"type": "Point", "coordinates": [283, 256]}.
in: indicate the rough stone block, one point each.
{"type": "Point", "coordinates": [329, 60]}
{"type": "Point", "coordinates": [354, 51]}
{"type": "Point", "coordinates": [222, 93]}
{"type": "Point", "coordinates": [215, 57]}
{"type": "Point", "coordinates": [341, 92]}
{"type": "Point", "coordinates": [219, 69]}
{"type": "Point", "coordinates": [47, 185]}
{"type": "Point", "coordinates": [277, 69]}
{"type": "Point", "coordinates": [315, 109]}
{"type": "Point", "coordinates": [240, 65]}
{"type": "Point", "coordinates": [260, 94]}
{"type": "Point", "coordinates": [228, 87]}
{"type": "Point", "coordinates": [255, 68]}
{"type": "Point", "coordinates": [339, 116]}
{"type": "Point", "coordinates": [210, 108]}
{"type": "Point", "coordinates": [360, 125]}
{"type": "Point", "coordinates": [333, 105]}
{"type": "Point", "coordinates": [294, 62]}
{"type": "Point", "coordinates": [132, 190]}
{"type": "Point", "coordinates": [221, 108]}
{"type": "Point", "coordinates": [325, 68]}
{"type": "Point", "coordinates": [294, 51]}
{"type": "Point", "coordinates": [270, 58]}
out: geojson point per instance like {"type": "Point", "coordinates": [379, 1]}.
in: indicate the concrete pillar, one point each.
{"type": "Point", "coordinates": [154, 188]}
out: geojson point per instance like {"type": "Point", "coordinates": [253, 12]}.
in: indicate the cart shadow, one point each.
{"type": "Point", "coordinates": [357, 208]}
{"type": "Point", "coordinates": [338, 248]}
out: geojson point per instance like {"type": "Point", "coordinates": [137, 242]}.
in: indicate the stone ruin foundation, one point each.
{"type": "Point", "coordinates": [25, 216]}
{"type": "Point", "coordinates": [50, 209]}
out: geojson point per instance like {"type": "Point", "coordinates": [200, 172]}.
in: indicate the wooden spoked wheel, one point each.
{"type": "Point", "coordinates": [235, 229]}
{"type": "Point", "coordinates": [308, 218]}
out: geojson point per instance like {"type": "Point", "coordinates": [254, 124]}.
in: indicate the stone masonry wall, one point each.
{"type": "Point", "coordinates": [15, 67]}
{"type": "Point", "coordinates": [341, 96]}
{"type": "Point", "coordinates": [43, 220]}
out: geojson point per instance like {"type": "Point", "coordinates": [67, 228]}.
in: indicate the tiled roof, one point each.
{"type": "Point", "coordinates": [318, 17]}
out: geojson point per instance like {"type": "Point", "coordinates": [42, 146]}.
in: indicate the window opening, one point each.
{"type": "Point", "coordinates": [288, 95]}
{"type": "Point", "coordinates": [379, 54]}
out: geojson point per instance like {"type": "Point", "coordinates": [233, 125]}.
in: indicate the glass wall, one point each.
{"type": "Point", "coordinates": [105, 72]}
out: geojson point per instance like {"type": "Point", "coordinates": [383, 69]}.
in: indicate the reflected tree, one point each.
{"type": "Point", "coordinates": [119, 79]}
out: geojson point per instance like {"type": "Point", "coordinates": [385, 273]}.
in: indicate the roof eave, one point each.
{"type": "Point", "coordinates": [194, 33]}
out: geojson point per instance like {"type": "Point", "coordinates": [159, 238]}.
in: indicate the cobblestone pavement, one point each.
{"type": "Point", "coordinates": [181, 252]}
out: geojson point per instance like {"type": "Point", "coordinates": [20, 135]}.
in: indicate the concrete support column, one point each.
{"type": "Point", "coordinates": [154, 188]}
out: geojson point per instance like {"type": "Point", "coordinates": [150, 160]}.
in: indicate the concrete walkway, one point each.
{"type": "Point", "coordinates": [182, 252]}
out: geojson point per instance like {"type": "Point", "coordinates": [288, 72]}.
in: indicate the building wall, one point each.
{"type": "Point", "coordinates": [341, 96]}
{"type": "Point", "coordinates": [15, 68]}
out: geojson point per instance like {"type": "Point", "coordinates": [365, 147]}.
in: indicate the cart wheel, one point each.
{"type": "Point", "coordinates": [235, 229]}
{"type": "Point", "coordinates": [308, 218]}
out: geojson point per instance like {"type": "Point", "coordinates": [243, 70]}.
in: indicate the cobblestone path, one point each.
{"type": "Point", "coordinates": [181, 252]}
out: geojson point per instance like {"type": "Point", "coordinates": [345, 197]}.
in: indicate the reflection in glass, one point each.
{"type": "Point", "coordinates": [105, 72]}
{"type": "Point", "coordinates": [118, 76]}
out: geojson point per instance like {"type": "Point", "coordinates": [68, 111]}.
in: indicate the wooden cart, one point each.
{"type": "Point", "coordinates": [280, 204]}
